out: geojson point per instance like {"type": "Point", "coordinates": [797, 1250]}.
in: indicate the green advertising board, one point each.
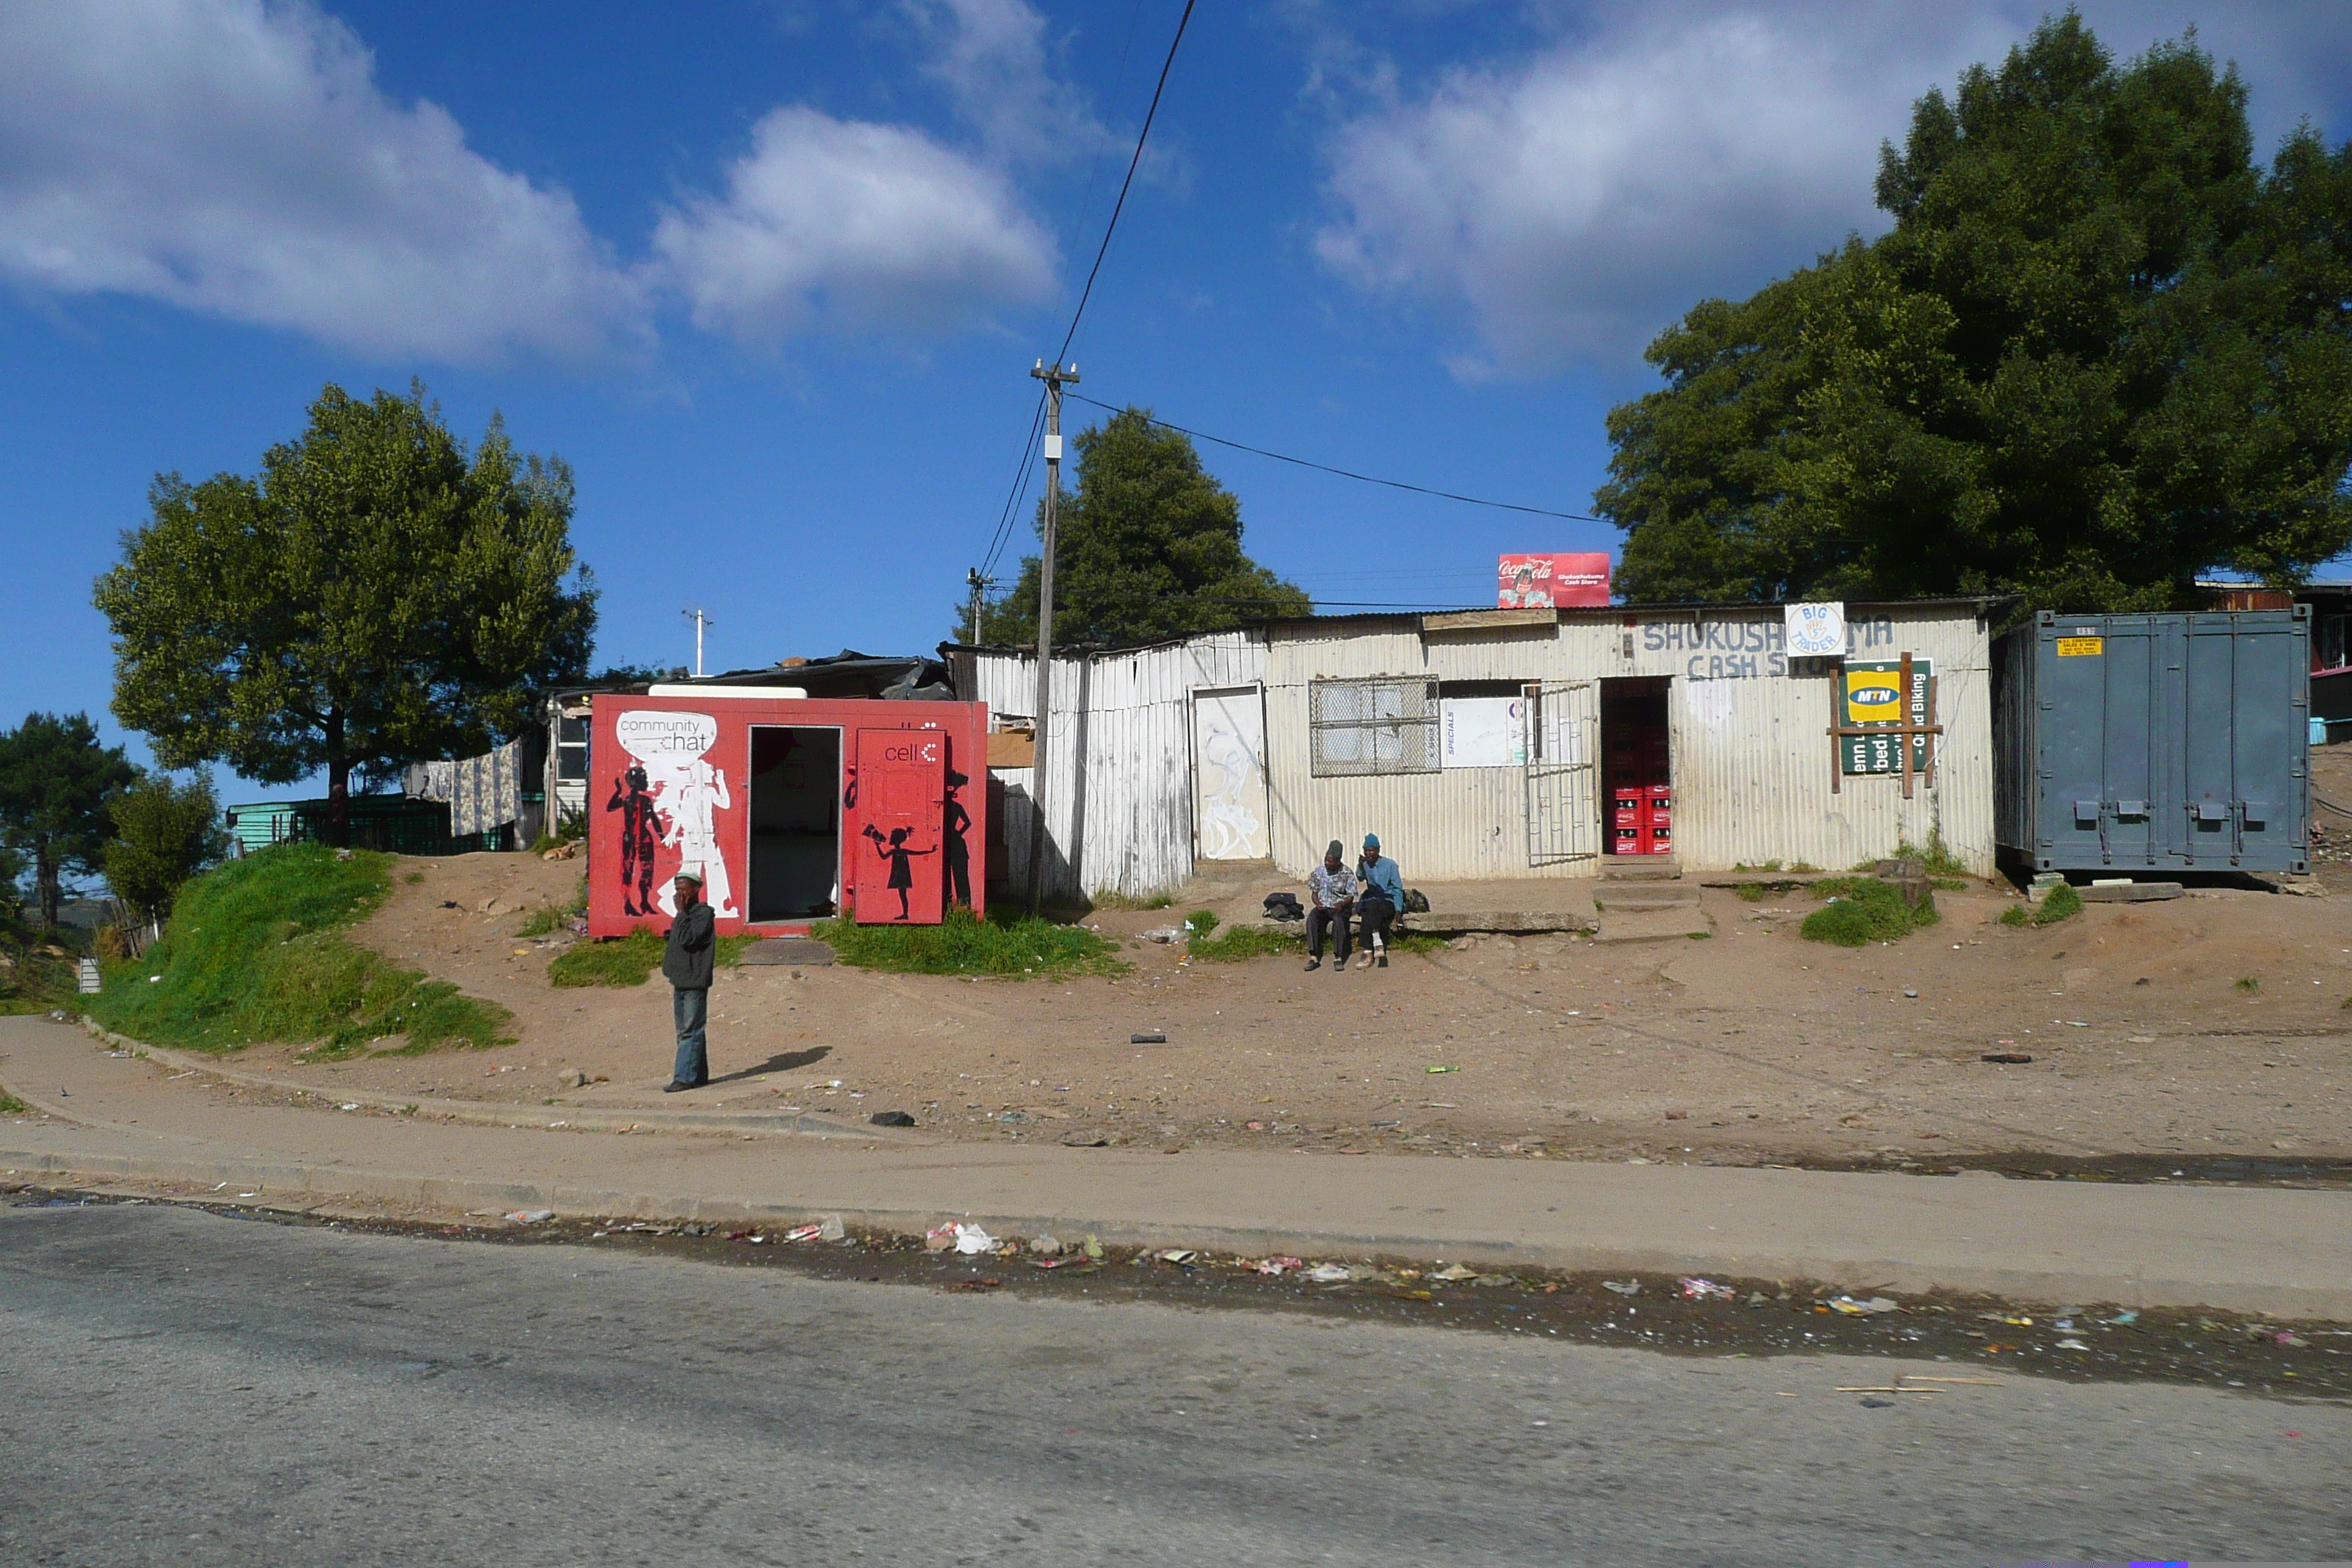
{"type": "Point", "coordinates": [1869, 698]}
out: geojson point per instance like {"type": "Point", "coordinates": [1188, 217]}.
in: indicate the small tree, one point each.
{"type": "Point", "coordinates": [376, 594]}
{"type": "Point", "coordinates": [1150, 546]}
{"type": "Point", "coordinates": [54, 782]}
{"type": "Point", "coordinates": [164, 833]}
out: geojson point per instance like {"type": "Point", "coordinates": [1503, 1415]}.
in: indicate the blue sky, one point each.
{"type": "Point", "coordinates": [771, 275]}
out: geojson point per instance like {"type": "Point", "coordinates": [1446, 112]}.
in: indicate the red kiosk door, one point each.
{"type": "Point", "coordinates": [901, 801]}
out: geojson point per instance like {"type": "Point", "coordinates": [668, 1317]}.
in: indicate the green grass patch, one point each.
{"type": "Point", "coordinates": [2248, 984]}
{"type": "Point", "coordinates": [1418, 942]}
{"type": "Point", "coordinates": [1237, 943]}
{"type": "Point", "coordinates": [548, 920]}
{"type": "Point", "coordinates": [1804, 868]}
{"type": "Point", "coordinates": [1759, 866]}
{"type": "Point", "coordinates": [11, 1105]}
{"type": "Point", "coordinates": [32, 981]}
{"type": "Point", "coordinates": [1199, 924]}
{"type": "Point", "coordinates": [256, 953]}
{"type": "Point", "coordinates": [631, 960]}
{"type": "Point", "coordinates": [2060, 902]}
{"type": "Point", "coordinates": [1936, 857]}
{"type": "Point", "coordinates": [1007, 944]}
{"type": "Point", "coordinates": [1131, 901]}
{"type": "Point", "coordinates": [1864, 909]}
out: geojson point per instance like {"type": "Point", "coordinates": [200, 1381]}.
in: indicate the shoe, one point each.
{"type": "Point", "coordinates": [1363, 961]}
{"type": "Point", "coordinates": [1382, 961]}
{"type": "Point", "coordinates": [674, 1087]}
{"type": "Point", "coordinates": [1313, 964]}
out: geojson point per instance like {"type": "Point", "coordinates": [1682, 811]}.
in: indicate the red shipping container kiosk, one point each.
{"type": "Point", "coordinates": [792, 809]}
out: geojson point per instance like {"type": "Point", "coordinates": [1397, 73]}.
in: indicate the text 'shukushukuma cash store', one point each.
{"type": "Point", "coordinates": [791, 810]}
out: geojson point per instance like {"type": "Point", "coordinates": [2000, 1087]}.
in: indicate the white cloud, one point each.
{"type": "Point", "coordinates": [849, 225]}
{"type": "Point", "coordinates": [237, 158]}
{"type": "Point", "coordinates": [990, 58]}
{"type": "Point", "coordinates": [1568, 201]}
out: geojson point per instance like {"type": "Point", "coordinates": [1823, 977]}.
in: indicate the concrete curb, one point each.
{"type": "Point", "coordinates": [290, 1187]}
{"type": "Point", "coordinates": [496, 1113]}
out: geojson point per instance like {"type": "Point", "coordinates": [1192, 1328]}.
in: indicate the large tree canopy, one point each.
{"type": "Point", "coordinates": [2100, 351]}
{"type": "Point", "coordinates": [1148, 546]}
{"type": "Point", "coordinates": [376, 594]}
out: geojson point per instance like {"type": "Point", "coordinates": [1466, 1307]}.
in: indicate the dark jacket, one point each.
{"type": "Point", "coordinates": [686, 962]}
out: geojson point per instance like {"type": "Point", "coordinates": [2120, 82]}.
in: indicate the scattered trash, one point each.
{"type": "Point", "coordinates": [349, 1105]}
{"type": "Point", "coordinates": [1278, 1266]}
{"type": "Point", "coordinates": [969, 1241]}
{"type": "Point", "coordinates": [525, 1217]}
{"type": "Point", "coordinates": [983, 1283]}
{"type": "Point", "coordinates": [1446, 1068]}
{"type": "Point", "coordinates": [1697, 1290]}
{"type": "Point", "coordinates": [940, 1238]}
{"type": "Point", "coordinates": [891, 1118]}
{"type": "Point", "coordinates": [1150, 1037]}
{"type": "Point", "coordinates": [1622, 1287]}
{"type": "Point", "coordinates": [1179, 1256]}
{"type": "Point", "coordinates": [1908, 991]}
{"type": "Point", "coordinates": [2071, 1345]}
{"type": "Point", "coordinates": [830, 1228]}
{"type": "Point", "coordinates": [2294, 1340]}
{"type": "Point", "coordinates": [1046, 1246]}
{"type": "Point", "coordinates": [1853, 1308]}
{"type": "Point", "coordinates": [1092, 1248]}
{"type": "Point", "coordinates": [1164, 935]}
{"type": "Point", "coordinates": [811, 1232]}
{"type": "Point", "coordinates": [1330, 1274]}
{"type": "Point", "coordinates": [1871, 1402]}
{"type": "Point", "coordinates": [1456, 1272]}
{"type": "Point", "coordinates": [2124, 1319]}
{"type": "Point", "coordinates": [2008, 1058]}
{"type": "Point", "coordinates": [1061, 1262]}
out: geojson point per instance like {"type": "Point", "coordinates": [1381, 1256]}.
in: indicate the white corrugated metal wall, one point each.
{"type": "Point", "coordinates": [1750, 744]}
{"type": "Point", "coordinates": [1119, 758]}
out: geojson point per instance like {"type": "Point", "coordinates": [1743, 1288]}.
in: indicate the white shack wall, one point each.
{"type": "Point", "coordinates": [1119, 758]}
{"type": "Point", "coordinates": [1751, 747]}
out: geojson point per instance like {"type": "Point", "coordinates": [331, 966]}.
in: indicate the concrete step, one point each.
{"type": "Point", "coordinates": [1673, 922]}
{"type": "Point", "coordinates": [1640, 868]}
{"type": "Point", "coordinates": [1645, 895]}
{"type": "Point", "coordinates": [1458, 922]}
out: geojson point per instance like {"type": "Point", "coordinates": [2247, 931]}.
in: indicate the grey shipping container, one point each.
{"type": "Point", "coordinates": [2164, 742]}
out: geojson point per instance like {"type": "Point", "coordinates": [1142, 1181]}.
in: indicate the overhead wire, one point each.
{"type": "Point", "coordinates": [1343, 473]}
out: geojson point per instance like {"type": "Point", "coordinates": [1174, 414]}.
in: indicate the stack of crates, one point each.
{"type": "Point", "coordinates": [1642, 802]}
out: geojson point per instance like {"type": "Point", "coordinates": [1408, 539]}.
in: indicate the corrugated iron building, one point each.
{"type": "Point", "coordinates": [1476, 742]}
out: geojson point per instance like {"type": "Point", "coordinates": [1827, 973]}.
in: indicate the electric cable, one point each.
{"type": "Point", "coordinates": [1343, 473]}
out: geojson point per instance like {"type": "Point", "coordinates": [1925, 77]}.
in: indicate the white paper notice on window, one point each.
{"type": "Point", "coordinates": [1482, 731]}
{"type": "Point", "coordinates": [1816, 631]}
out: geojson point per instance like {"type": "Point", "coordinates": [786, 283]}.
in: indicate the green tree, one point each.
{"type": "Point", "coordinates": [164, 833]}
{"type": "Point", "coordinates": [1148, 546]}
{"type": "Point", "coordinates": [376, 594]}
{"type": "Point", "coordinates": [54, 782]}
{"type": "Point", "coordinates": [2100, 351]}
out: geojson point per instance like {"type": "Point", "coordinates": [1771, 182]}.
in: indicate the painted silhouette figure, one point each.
{"type": "Point", "coordinates": [700, 791]}
{"type": "Point", "coordinates": [634, 802]}
{"type": "Point", "coordinates": [958, 852]}
{"type": "Point", "coordinates": [902, 873]}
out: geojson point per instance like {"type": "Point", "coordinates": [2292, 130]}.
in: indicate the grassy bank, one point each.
{"type": "Point", "coordinates": [256, 953]}
{"type": "Point", "coordinates": [1863, 910]}
{"type": "Point", "coordinates": [629, 960]}
{"type": "Point", "coordinates": [1014, 947]}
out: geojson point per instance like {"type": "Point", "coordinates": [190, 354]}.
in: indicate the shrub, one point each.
{"type": "Point", "coordinates": [1236, 943]}
{"type": "Point", "coordinates": [1199, 923]}
{"type": "Point", "coordinates": [2059, 904]}
{"type": "Point", "coordinates": [1863, 910]}
{"type": "Point", "coordinates": [255, 952]}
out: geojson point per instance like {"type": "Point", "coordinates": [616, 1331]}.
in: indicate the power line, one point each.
{"type": "Point", "coordinates": [1117, 206]}
{"type": "Point", "coordinates": [1345, 473]}
{"type": "Point", "coordinates": [996, 540]}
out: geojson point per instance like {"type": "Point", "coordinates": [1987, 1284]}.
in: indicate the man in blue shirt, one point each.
{"type": "Point", "coordinates": [1383, 897]}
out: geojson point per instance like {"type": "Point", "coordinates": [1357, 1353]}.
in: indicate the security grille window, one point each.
{"type": "Point", "coordinates": [572, 748]}
{"type": "Point", "coordinates": [1386, 725]}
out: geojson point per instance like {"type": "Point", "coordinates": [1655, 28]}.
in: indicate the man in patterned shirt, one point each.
{"type": "Point", "coordinates": [1331, 888]}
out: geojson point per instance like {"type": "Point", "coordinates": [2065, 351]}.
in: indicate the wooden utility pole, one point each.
{"type": "Point", "coordinates": [978, 586]}
{"type": "Point", "coordinates": [1055, 379]}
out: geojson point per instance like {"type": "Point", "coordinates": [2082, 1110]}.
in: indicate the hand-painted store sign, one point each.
{"type": "Point", "coordinates": [1744, 650]}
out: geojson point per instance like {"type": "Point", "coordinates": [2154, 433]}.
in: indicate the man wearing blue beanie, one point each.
{"type": "Point", "coordinates": [1383, 897]}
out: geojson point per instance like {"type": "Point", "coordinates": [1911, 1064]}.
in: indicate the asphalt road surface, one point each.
{"type": "Point", "coordinates": [180, 1387]}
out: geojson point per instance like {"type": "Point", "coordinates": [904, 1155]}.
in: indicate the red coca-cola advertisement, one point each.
{"type": "Point", "coordinates": [791, 810]}
{"type": "Point", "coordinates": [1553, 582]}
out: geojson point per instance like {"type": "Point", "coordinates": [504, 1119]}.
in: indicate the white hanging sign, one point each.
{"type": "Point", "coordinates": [1815, 631]}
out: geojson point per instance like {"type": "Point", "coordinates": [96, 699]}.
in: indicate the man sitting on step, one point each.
{"type": "Point", "coordinates": [1331, 890]}
{"type": "Point", "coordinates": [1383, 897]}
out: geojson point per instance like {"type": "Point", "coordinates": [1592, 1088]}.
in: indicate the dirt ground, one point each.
{"type": "Point", "coordinates": [2212, 1024]}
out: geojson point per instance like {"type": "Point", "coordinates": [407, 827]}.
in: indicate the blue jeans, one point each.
{"type": "Point", "coordinates": [692, 1010]}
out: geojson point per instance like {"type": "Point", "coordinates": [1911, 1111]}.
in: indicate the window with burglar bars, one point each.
{"type": "Point", "coordinates": [1385, 725]}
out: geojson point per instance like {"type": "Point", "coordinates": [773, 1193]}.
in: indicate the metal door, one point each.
{"type": "Point", "coordinates": [1228, 789]}
{"type": "Point", "coordinates": [901, 803]}
{"type": "Point", "coordinates": [1563, 739]}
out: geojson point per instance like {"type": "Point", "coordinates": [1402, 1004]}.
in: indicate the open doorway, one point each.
{"type": "Point", "coordinates": [795, 822]}
{"type": "Point", "coordinates": [1637, 797]}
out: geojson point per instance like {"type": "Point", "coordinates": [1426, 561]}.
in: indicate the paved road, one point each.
{"type": "Point", "coordinates": [181, 1388]}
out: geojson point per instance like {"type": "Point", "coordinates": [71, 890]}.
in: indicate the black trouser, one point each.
{"type": "Point", "coordinates": [1337, 922]}
{"type": "Point", "coordinates": [1378, 912]}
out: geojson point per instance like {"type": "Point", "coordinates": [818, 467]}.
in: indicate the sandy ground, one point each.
{"type": "Point", "coordinates": [2214, 1023]}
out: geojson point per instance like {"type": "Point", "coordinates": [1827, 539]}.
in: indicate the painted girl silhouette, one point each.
{"type": "Point", "coordinates": [902, 874]}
